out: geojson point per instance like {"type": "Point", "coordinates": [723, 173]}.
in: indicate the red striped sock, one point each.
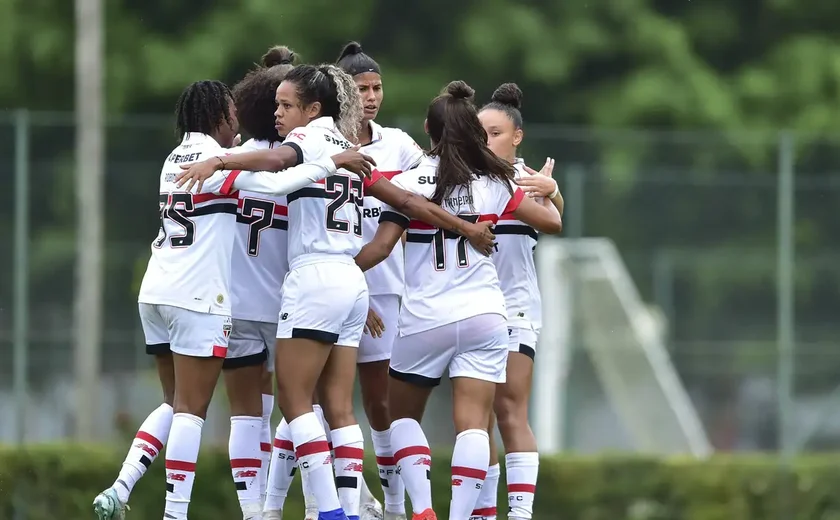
{"type": "Point", "coordinates": [245, 461]}
{"type": "Point", "coordinates": [470, 459]}
{"type": "Point", "coordinates": [522, 470]}
{"type": "Point", "coordinates": [282, 468]}
{"type": "Point", "coordinates": [414, 461]}
{"type": "Point", "coordinates": [181, 455]}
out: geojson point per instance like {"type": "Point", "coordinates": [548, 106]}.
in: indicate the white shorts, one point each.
{"type": "Point", "coordinates": [185, 332]}
{"type": "Point", "coordinates": [326, 301]}
{"type": "Point", "coordinates": [522, 340]}
{"type": "Point", "coordinates": [475, 347]}
{"type": "Point", "coordinates": [371, 349]}
{"type": "Point", "coordinates": [250, 343]}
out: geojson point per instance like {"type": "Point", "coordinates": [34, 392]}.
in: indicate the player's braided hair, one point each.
{"type": "Point", "coordinates": [202, 107]}
{"type": "Point", "coordinates": [335, 90]}
{"type": "Point", "coordinates": [508, 99]}
{"type": "Point", "coordinates": [460, 142]}
{"type": "Point", "coordinates": [254, 94]}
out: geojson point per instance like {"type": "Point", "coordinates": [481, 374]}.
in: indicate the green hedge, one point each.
{"type": "Point", "coordinates": [59, 482]}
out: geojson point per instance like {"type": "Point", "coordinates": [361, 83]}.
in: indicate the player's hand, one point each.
{"type": "Point", "coordinates": [197, 173]}
{"type": "Point", "coordinates": [237, 140]}
{"type": "Point", "coordinates": [547, 169]}
{"type": "Point", "coordinates": [537, 185]}
{"type": "Point", "coordinates": [354, 161]}
{"type": "Point", "coordinates": [481, 237]}
{"type": "Point", "coordinates": [374, 325]}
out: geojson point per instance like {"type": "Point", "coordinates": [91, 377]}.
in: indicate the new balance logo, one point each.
{"type": "Point", "coordinates": [284, 316]}
{"type": "Point", "coordinates": [457, 482]}
{"type": "Point", "coordinates": [247, 473]}
{"type": "Point", "coordinates": [145, 447]}
{"type": "Point", "coordinates": [354, 466]}
{"type": "Point", "coordinates": [423, 461]}
{"type": "Point", "coordinates": [178, 477]}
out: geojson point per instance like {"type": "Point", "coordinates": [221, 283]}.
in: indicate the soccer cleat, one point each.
{"type": "Point", "coordinates": [394, 516]}
{"type": "Point", "coordinates": [371, 510]}
{"type": "Point", "coordinates": [428, 514]}
{"type": "Point", "coordinates": [274, 514]}
{"type": "Point", "coordinates": [107, 506]}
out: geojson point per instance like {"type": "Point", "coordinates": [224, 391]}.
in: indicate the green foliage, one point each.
{"type": "Point", "coordinates": [61, 481]}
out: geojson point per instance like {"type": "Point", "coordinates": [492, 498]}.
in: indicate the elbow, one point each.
{"type": "Point", "coordinates": [554, 227]}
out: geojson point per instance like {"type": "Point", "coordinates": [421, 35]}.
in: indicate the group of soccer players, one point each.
{"type": "Point", "coordinates": [335, 246]}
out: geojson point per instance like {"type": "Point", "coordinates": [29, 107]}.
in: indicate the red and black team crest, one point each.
{"type": "Point", "coordinates": [226, 328]}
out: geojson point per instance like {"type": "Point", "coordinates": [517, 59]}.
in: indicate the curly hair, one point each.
{"type": "Point", "coordinates": [202, 107]}
{"type": "Point", "coordinates": [254, 94]}
{"type": "Point", "coordinates": [335, 90]}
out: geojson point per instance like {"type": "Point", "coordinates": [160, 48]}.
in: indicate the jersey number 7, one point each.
{"type": "Point", "coordinates": [174, 206]}
{"type": "Point", "coordinates": [439, 246]}
{"type": "Point", "coordinates": [259, 215]}
{"type": "Point", "coordinates": [343, 190]}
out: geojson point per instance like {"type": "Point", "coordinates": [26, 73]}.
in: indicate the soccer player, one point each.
{"type": "Point", "coordinates": [453, 310]}
{"type": "Point", "coordinates": [502, 120]}
{"type": "Point", "coordinates": [258, 266]}
{"type": "Point", "coordinates": [325, 297]}
{"type": "Point", "coordinates": [184, 297]}
{"type": "Point", "coordinates": [394, 152]}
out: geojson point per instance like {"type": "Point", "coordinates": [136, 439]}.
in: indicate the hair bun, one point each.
{"type": "Point", "coordinates": [278, 55]}
{"type": "Point", "coordinates": [350, 49]}
{"type": "Point", "coordinates": [460, 90]}
{"type": "Point", "coordinates": [508, 94]}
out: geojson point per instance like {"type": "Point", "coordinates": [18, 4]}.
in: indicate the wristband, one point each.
{"type": "Point", "coordinates": [221, 161]}
{"type": "Point", "coordinates": [556, 191]}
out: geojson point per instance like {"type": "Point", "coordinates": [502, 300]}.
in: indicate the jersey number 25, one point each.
{"type": "Point", "coordinates": [174, 207]}
{"type": "Point", "coordinates": [343, 190]}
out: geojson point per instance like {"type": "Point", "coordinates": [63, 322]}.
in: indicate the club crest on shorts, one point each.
{"type": "Point", "coordinates": [220, 299]}
{"type": "Point", "coordinates": [226, 328]}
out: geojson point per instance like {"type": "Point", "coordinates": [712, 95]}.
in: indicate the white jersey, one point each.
{"type": "Point", "coordinates": [325, 217]}
{"type": "Point", "coordinates": [260, 260]}
{"type": "Point", "coordinates": [190, 263]}
{"type": "Point", "coordinates": [446, 280]}
{"type": "Point", "coordinates": [394, 152]}
{"type": "Point", "coordinates": [514, 261]}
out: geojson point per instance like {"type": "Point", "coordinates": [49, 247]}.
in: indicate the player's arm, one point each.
{"type": "Point", "coordinates": [272, 160]}
{"type": "Point", "coordinates": [537, 215]}
{"type": "Point", "coordinates": [414, 206]}
{"type": "Point", "coordinates": [388, 233]}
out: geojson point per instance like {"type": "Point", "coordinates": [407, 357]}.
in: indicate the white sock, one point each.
{"type": "Point", "coordinates": [522, 470]}
{"type": "Point", "coordinates": [181, 455]}
{"type": "Point", "coordinates": [470, 460]}
{"type": "Point", "coordinates": [392, 485]}
{"type": "Point", "coordinates": [321, 417]}
{"type": "Point", "coordinates": [348, 445]}
{"type": "Point", "coordinates": [282, 468]}
{"type": "Point", "coordinates": [265, 442]}
{"type": "Point", "coordinates": [146, 446]}
{"type": "Point", "coordinates": [414, 461]}
{"type": "Point", "coordinates": [485, 506]}
{"type": "Point", "coordinates": [314, 458]}
{"type": "Point", "coordinates": [245, 461]}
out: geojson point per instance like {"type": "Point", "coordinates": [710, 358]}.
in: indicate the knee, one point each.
{"type": "Point", "coordinates": [338, 410]}
{"type": "Point", "coordinates": [511, 413]}
{"type": "Point", "coordinates": [195, 407]}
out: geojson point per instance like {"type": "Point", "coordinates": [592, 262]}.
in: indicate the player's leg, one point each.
{"type": "Point", "coordinates": [374, 357]}
{"type": "Point", "coordinates": [154, 432]}
{"type": "Point", "coordinates": [316, 302]}
{"type": "Point", "coordinates": [417, 364]}
{"type": "Point", "coordinates": [335, 393]}
{"type": "Point", "coordinates": [199, 345]}
{"type": "Point", "coordinates": [475, 371]}
{"type": "Point", "coordinates": [511, 405]}
{"type": "Point", "coordinates": [485, 506]}
{"type": "Point", "coordinates": [243, 370]}
{"type": "Point", "coordinates": [266, 434]}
